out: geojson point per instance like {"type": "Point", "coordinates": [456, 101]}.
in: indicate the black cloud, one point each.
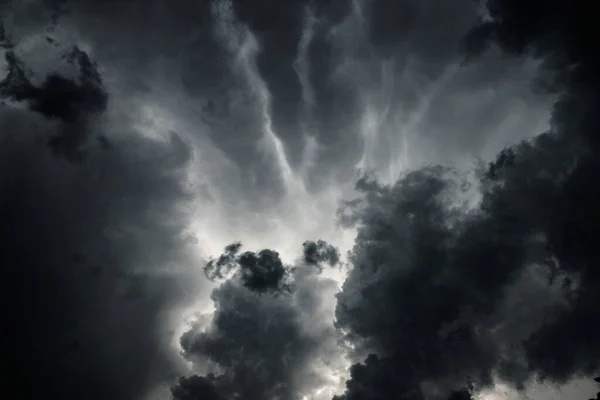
{"type": "Point", "coordinates": [88, 325]}
{"type": "Point", "coordinates": [561, 34]}
{"type": "Point", "coordinates": [320, 252]}
{"type": "Point", "coordinates": [420, 264]}
{"type": "Point", "coordinates": [259, 272]}
{"type": "Point", "coordinates": [85, 246]}
{"type": "Point", "coordinates": [266, 344]}
{"type": "Point", "coordinates": [441, 295]}
{"type": "Point", "coordinates": [195, 388]}
{"type": "Point", "coordinates": [71, 101]}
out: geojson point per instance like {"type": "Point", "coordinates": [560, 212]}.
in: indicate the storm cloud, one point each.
{"type": "Point", "coordinates": [265, 344]}
{"type": "Point", "coordinates": [424, 267]}
{"type": "Point", "coordinates": [413, 183]}
{"type": "Point", "coordinates": [88, 234]}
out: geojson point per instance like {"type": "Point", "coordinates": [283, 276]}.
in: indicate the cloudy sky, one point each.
{"type": "Point", "coordinates": [267, 199]}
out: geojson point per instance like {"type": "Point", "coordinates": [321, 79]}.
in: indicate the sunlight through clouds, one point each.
{"type": "Point", "coordinates": [404, 217]}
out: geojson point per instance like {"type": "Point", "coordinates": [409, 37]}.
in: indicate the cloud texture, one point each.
{"type": "Point", "coordinates": [140, 138]}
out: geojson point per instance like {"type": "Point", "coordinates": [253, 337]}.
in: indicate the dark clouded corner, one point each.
{"type": "Point", "coordinates": [94, 248]}
{"type": "Point", "coordinates": [72, 102]}
{"type": "Point", "coordinates": [561, 34]}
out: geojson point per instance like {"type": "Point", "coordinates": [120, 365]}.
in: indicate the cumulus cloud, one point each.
{"type": "Point", "coordinates": [567, 345]}
{"type": "Point", "coordinates": [422, 265]}
{"type": "Point", "coordinates": [72, 102]}
{"type": "Point", "coordinates": [259, 272]}
{"type": "Point", "coordinates": [456, 280]}
{"type": "Point", "coordinates": [320, 252]}
{"type": "Point", "coordinates": [264, 344]}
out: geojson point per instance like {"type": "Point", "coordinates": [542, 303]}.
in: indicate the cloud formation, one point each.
{"type": "Point", "coordinates": [259, 272]}
{"type": "Point", "coordinates": [264, 344]}
{"type": "Point", "coordinates": [424, 266]}
{"type": "Point", "coordinates": [71, 101]}
{"type": "Point", "coordinates": [456, 280]}
{"type": "Point", "coordinates": [87, 246]}
{"type": "Point", "coordinates": [320, 252]}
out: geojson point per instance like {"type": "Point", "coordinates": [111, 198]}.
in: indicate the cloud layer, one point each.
{"type": "Point", "coordinates": [139, 138]}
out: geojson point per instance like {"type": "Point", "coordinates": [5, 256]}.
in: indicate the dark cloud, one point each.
{"type": "Point", "coordinates": [263, 346]}
{"type": "Point", "coordinates": [431, 275]}
{"type": "Point", "coordinates": [72, 102]}
{"type": "Point", "coordinates": [561, 34]}
{"type": "Point", "coordinates": [88, 326]}
{"type": "Point", "coordinates": [86, 247]}
{"type": "Point", "coordinates": [443, 294]}
{"type": "Point", "coordinates": [460, 395]}
{"type": "Point", "coordinates": [431, 278]}
{"type": "Point", "coordinates": [263, 271]}
{"type": "Point", "coordinates": [393, 75]}
{"type": "Point", "coordinates": [322, 66]}
{"type": "Point", "coordinates": [598, 394]}
{"type": "Point", "coordinates": [421, 262]}
{"type": "Point", "coordinates": [320, 252]}
{"type": "Point", "coordinates": [259, 272]}
{"type": "Point", "coordinates": [196, 388]}
{"type": "Point", "coordinates": [259, 357]}
{"type": "Point", "coordinates": [58, 97]}
{"type": "Point", "coordinates": [223, 266]}
{"type": "Point", "coordinates": [406, 269]}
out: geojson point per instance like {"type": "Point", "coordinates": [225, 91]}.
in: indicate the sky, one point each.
{"type": "Point", "coordinates": [299, 200]}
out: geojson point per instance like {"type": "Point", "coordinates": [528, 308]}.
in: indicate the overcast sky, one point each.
{"type": "Point", "coordinates": [270, 199]}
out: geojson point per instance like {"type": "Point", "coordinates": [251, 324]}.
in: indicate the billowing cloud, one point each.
{"type": "Point", "coordinates": [71, 101]}
{"type": "Point", "coordinates": [265, 344]}
{"type": "Point", "coordinates": [228, 120]}
{"type": "Point", "coordinates": [94, 253]}
{"type": "Point", "coordinates": [430, 278]}
{"type": "Point", "coordinates": [259, 272]}
{"type": "Point", "coordinates": [567, 345]}
{"type": "Point", "coordinates": [320, 252]}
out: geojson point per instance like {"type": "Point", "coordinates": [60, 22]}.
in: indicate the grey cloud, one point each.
{"type": "Point", "coordinates": [87, 248]}
{"type": "Point", "coordinates": [177, 45]}
{"type": "Point", "coordinates": [422, 261]}
{"type": "Point", "coordinates": [259, 272]}
{"type": "Point", "coordinates": [184, 47]}
{"type": "Point", "coordinates": [320, 252]}
{"type": "Point", "coordinates": [264, 346]}
{"type": "Point", "coordinates": [565, 346]}
{"type": "Point", "coordinates": [259, 357]}
{"type": "Point", "coordinates": [196, 387]}
{"type": "Point", "coordinates": [393, 25]}
{"type": "Point", "coordinates": [536, 209]}
{"type": "Point", "coordinates": [386, 57]}
{"type": "Point", "coordinates": [68, 318]}
{"type": "Point", "coordinates": [222, 266]}
{"type": "Point", "coordinates": [435, 286]}
{"type": "Point", "coordinates": [72, 102]}
{"type": "Point", "coordinates": [404, 269]}
{"type": "Point", "coordinates": [279, 28]}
